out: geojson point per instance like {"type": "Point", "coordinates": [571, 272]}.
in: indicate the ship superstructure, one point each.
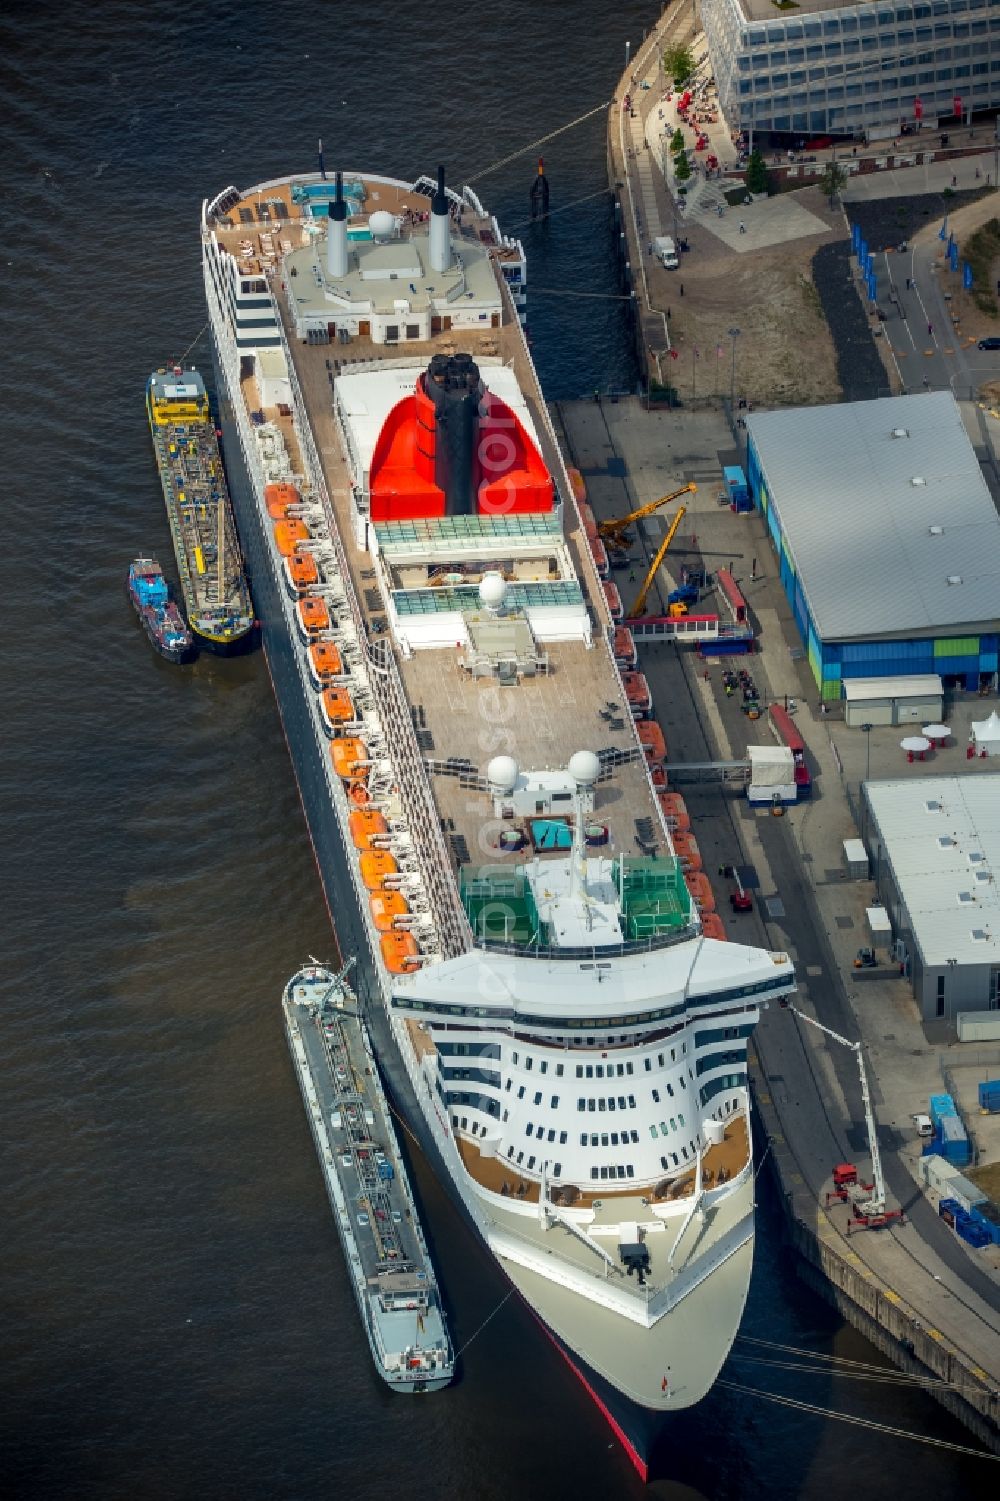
{"type": "Point", "coordinates": [566, 1042]}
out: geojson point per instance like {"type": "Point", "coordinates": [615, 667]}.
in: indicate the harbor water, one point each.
{"type": "Point", "coordinates": [177, 1322]}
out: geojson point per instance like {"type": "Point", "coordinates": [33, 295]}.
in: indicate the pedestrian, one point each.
{"type": "Point", "coordinates": [631, 577]}
{"type": "Point", "coordinates": [930, 330]}
{"type": "Point", "coordinates": [926, 383]}
{"type": "Point", "coordinates": [682, 289]}
{"type": "Point", "coordinates": [909, 283]}
{"type": "Point", "coordinates": [954, 181]}
{"type": "Point", "coordinates": [753, 568]}
{"type": "Point", "coordinates": [743, 228]}
{"type": "Point", "coordinates": [977, 174]}
{"type": "Point", "coordinates": [668, 315]}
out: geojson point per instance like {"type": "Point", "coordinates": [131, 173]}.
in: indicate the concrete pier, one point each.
{"type": "Point", "coordinates": [918, 1292]}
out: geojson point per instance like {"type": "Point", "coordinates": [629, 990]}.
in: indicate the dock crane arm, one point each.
{"type": "Point", "coordinates": [640, 605]}
{"type": "Point", "coordinates": [875, 1205]}
{"type": "Point", "coordinates": [613, 531]}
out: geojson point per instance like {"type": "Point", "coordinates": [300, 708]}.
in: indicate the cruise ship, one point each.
{"type": "Point", "coordinates": [560, 1033]}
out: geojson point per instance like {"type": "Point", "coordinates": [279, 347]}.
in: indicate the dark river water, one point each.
{"type": "Point", "coordinates": [176, 1320]}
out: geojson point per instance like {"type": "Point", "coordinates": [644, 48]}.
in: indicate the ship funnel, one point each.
{"type": "Point", "coordinates": [336, 238]}
{"type": "Point", "coordinates": [440, 228]}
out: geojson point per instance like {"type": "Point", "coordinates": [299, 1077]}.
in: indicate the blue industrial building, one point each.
{"type": "Point", "coordinates": [887, 537]}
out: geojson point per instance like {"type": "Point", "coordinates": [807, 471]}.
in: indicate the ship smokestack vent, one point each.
{"type": "Point", "coordinates": [440, 230]}
{"type": "Point", "coordinates": [336, 239]}
{"type": "Point", "coordinates": [454, 386]}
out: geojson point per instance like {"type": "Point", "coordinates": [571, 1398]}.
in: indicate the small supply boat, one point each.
{"type": "Point", "coordinates": [158, 613]}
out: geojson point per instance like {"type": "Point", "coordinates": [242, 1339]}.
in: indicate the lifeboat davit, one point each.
{"type": "Point", "coordinates": [700, 888]}
{"type": "Point", "coordinates": [624, 648]}
{"type": "Point", "coordinates": [301, 572]}
{"type": "Point", "coordinates": [712, 926]}
{"type": "Point", "coordinates": [288, 535]}
{"type": "Point", "coordinates": [349, 757]}
{"type": "Point", "coordinates": [658, 777]}
{"type": "Point", "coordinates": [386, 907]}
{"type": "Point", "coordinates": [687, 851]}
{"type": "Point", "coordinates": [365, 825]}
{"type": "Point", "coordinates": [614, 600]}
{"type": "Point", "coordinates": [336, 708]}
{"type": "Point", "coordinates": [675, 812]}
{"type": "Point", "coordinates": [640, 700]}
{"type": "Point", "coordinates": [314, 616]}
{"type": "Point", "coordinates": [278, 499]}
{"type": "Point", "coordinates": [399, 951]}
{"type": "Point", "coordinates": [358, 795]}
{"type": "Point", "coordinates": [652, 740]}
{"type": "Point", "coordinates": [376, 867]}
{"type": "Point", "coordinates": [324, 662]}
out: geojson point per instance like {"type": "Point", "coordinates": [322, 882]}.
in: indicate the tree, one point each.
{"type": "Point", "coordinates": [832, 181]}
{"type": "Point", "coordinates": [757, 181]}
{"type": "Point", "coordinates": [682, 168]}
{"type": "Point", "coordinates": [677, 141]}
{"type": "Point", "coordinates": [678, 64]}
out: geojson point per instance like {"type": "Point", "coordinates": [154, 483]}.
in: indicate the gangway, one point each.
{"type": "Point", "coordinates": [867, 1200]}
{"type": "Point", "coordinates": [689, 773]}
{"type": "Point", "coordinates": [615, 531]}
{"type": "Point", "coordinates": [711, 635]}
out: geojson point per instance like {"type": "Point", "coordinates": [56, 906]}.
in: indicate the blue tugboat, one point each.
{"type": "Point", "coordinates": [158, 614]}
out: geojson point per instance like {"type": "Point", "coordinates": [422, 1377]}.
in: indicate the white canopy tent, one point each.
{"type": "Point", "coordinates": [986, 734]}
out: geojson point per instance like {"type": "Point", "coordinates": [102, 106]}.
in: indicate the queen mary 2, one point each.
{"type": "Point", "coordinates": [564, 1039]}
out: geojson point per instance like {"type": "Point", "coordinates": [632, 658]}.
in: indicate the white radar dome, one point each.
{"type": "Point", "coordinates": [492, 590]}
{"type": "Point", "coordinates": [584, 768]}
{"type": "Point", "coordinates": [382, 225]}
{"type": "Point", "coordinates": [503, 771]}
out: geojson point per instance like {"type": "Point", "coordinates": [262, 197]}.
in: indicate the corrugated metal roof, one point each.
{"type": "Point", "coordinates": [859, 529]}
{"type": "Point", "coordinates": [918, 686]}
{"type": "Point", "coordinates": [942, 838]}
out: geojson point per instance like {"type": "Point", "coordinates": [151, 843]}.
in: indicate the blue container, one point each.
{"type": "Point", "coordinates": [989, 1095]}
{"type": "Point", "coordinates": [990, 1227]}
{"type": "Point", "coordinates": [973, 1234]}
{"type": "Point", "coordinates": [939, 1106]}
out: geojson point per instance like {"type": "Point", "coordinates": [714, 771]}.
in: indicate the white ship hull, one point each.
{"type": "Point", "coordinates": [642, 1356]}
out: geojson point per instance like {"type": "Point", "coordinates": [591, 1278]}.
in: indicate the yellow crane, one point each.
{"type": "Point", "coordinates": [615, 532]}
{"type": "Point", "coordinates": [639, 607]}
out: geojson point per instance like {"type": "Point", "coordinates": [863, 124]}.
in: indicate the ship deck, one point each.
{"type": "Point", "coordinates": [542, 721]}
{"type": "Point", "coordinates": [195, 490]}
{"type": "Point", "coordinates": [501, 1176]}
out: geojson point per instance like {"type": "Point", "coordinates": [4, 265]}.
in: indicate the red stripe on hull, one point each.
{"type": "Point", "coordinates": [637, 1460]}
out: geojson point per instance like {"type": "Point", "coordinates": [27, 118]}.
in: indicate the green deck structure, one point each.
{"type": "Point", "coordinates": [655, 899]}
{"type": "Point", "coordinates": [499, 904]}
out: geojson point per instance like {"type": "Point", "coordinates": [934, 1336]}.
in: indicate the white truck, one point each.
{"type": "Point", "coordinates": [666, 252]}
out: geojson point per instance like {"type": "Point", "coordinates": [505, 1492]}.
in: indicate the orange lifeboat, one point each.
{"type": "Point", "coordinates": [301, 570]}
{"type": "Point", "coordinates": [658, 777]}
{"type": "Point", "coordinates": [698, 885]}
{"type": "Point", "coordinates": [288, 535]}
{"type": "Point", "coordinates": [337, 707]}
{"type": "Point", "coordinates": [313, 616]}
{"type": "Point", "coordinates": [652, 740]}
{"type": "Point", "coordinates": [365, 825]}
{"type": "Point", "coordinates": [376, 866]}
{"type": "Point", "coordinates": [399, 950]}
{"type": "Point", "coordinates": [712, 926]}
{"type": "Point", "coordinates": [349, 757]}
{"type": "Point", "coordinates": [278, 498]}
{"type": "Point", "coordinates": [624, 648]}
{"type": "Point", "coordinates": [324, 661]}
{"type": "Point", "coordinates": [614, 600]}
{"type": "Point", "coordinates": [640, 700]}
{"type": "Point", "coordinates": [675, 812]}
{"type": "Point", "coordinates": [600, 556]}
{"type": "Point", "coordinates": [358, 794]}
{"type": "Point", "coordinates": [687, 851]}
{"type": "Point", "coordinates": [386, 907]}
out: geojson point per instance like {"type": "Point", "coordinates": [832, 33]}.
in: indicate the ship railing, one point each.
{"type": "Point", "coordinates": [397, 723]}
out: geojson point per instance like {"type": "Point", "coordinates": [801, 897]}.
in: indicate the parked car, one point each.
{"type": "Point", "coordinates": [991, 343]}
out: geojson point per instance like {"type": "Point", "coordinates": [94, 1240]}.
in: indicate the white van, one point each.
{"type": "Point", "coordinates": [666, 252]}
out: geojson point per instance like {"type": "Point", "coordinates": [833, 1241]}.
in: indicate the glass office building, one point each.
{"type": "Point", "coordinates": [823, 68]}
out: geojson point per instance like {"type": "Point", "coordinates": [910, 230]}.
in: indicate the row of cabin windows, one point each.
{"type": "Point", "coordinates": [550, 1135]}
{"type": "Point", "coordinates": [543, 1064]}
{"type": "Point", "coordinates": [628, 1171]}
{"type": "Point", "coordinates": [606, 1138]}
{"type": "Point", "coordinates": [623, 1103]}
{"type": "Point", "coordinates": [663, 1125]}
{"type": "Point", "coordinates": [598, 1070]}
{"type": "Point", "coordinates": [656, 1093]}
{"type": "Point", "coordinates": [556, 1166]}
{"type": "Point", "coordinates": [536, 1097]}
